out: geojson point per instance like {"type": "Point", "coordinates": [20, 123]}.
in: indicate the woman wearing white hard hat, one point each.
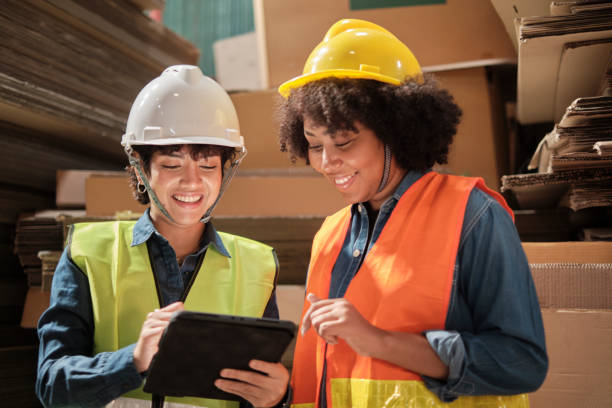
{"type": "Point", "coordinates": [118, 283]}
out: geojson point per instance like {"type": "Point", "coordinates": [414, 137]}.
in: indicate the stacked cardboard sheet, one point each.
{"type": "Point", "coordinates": [581, 139]}
{"type": "Point", "coordinates": [81, 64]}
{"type": "Point", "coordinates": [69, 71]}
{"type": "Point", "coordinates": [561, 58]}
{"type": "Point", "coordinates": [576, 189]}
{"type": "Point", "coordinates": [33, 234]}
{"type": "Point", "coordinates": [574, 161]}
{"type": "Point", "coordinates": [39, 240]}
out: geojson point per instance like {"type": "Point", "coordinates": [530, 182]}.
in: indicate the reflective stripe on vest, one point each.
{"type": "Point", "coordinates": [140, 403]}
{"type": "Point", "coordinates": [123, 289]}
{"type": "Point", "coordinates": [403, 284]}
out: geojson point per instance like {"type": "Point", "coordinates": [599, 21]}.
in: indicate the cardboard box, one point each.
{"type": "Point", "coordinates": [105, 195]}
{"type": "Point", "coordinates": [454, 32]}
{"type": "Point", "coordinates": [237, 62]}
{"type": "Point", "coordinates": [70, 186]}
{"type": "Point", "coordinates": [568, 252]}
{"type": "Point", "coordinates": [473, 153]}
{"type": "Point", "coordinates": [276, 194]}
{"type": "Point", "coordinates": [580, 360]}
{"type": "Point", "coordinates": [256, 113]}
{"type": "Point", "coordinates": [36, 302]}
{"type": "Point", "coordinates": [572, 274]}
{"type": "Point", "coordinates": [290, 300]}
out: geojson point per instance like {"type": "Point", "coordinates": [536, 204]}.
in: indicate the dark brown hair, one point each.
{"type": "Point", "coordinates": [417, 120]}
{"type": "Point", "coordinates": [197, 151]}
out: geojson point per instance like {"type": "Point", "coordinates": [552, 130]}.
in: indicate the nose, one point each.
{"type": "Point", "coordinates": [329, 160]}
{"type": "Point", "coordinates": [190, 175]}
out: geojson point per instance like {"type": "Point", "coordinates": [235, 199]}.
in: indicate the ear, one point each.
{"type": "Point", "coordinates": [137, 156]}
{"type": "Point", "coordinates": [137, 175]}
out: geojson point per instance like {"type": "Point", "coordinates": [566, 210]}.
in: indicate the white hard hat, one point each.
{"type": "Point", "coordinates": [183, 106]}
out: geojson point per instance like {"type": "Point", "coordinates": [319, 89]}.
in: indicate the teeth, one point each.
{"type": "Point", "coordinates": [343, 180]}
{"type": "Point", "coordinates": [187, 199]}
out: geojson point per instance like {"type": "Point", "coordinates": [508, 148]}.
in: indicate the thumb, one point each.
{"type": "Point", "coordinates": [312, 298]}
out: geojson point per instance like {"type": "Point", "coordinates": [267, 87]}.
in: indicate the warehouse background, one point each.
{"type": "Point", "coordinates": [537, 126]}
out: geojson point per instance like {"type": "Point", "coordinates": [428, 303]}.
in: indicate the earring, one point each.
{"type": "Point", "coordinates": [141, 188]}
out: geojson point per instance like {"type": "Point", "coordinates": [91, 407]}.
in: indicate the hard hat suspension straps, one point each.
{"type": "Point", "coordinates": [386, 169]}
{"type": "Point", "coordinates": [135, 162]}
{"type": "Point", "coordinates": [227, 177]}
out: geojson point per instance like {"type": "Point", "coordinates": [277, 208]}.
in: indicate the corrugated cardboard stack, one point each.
{"type": "Point", "coordinates": [564, 76]}
{"type": "Point", "coordinates": [68, 73]}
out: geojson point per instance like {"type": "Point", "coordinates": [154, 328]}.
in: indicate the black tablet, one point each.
{"type": "Point", "coordinates": [195, 347]}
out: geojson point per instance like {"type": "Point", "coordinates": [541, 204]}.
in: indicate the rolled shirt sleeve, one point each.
{"type": "Point", "coordinates": [493, 342]}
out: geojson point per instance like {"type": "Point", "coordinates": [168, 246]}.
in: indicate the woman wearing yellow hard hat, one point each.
{"type": "Point", "coordinates": [419, 293]}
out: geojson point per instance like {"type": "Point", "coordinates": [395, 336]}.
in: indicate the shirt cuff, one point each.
{"type": "Point", "coordinates": [449, 346]}
{"type": "Point", "coordinates": [123, 362]}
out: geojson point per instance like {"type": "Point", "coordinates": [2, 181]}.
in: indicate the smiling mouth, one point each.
{"type": "Point", "coordinates": [340, 181]}
{"type": "Point", "coordinates": [187, 198]}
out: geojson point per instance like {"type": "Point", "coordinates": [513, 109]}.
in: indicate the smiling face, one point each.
{"type": "Point", "coordinates": [186, 186]}
{"type": "Point", "coordinates": [352, 161]}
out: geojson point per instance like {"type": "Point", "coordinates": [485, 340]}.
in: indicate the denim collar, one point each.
{"type": "Point", "coordinates": [409, 179]}
{"type": "Point", "coordinates": [144, 229]}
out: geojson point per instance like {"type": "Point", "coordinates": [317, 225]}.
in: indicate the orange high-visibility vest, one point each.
{"type": "Point", "coordinates": [403, 284]}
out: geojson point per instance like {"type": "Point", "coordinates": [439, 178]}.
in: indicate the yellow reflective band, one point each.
{"type": "Point", "coordinates": [308, 405]}
{"type": "Point", "coordinates": [364, 393]}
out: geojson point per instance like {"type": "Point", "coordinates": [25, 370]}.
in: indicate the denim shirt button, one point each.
{"type": "Point", "coordinates": [360, 208]}
{"type": "Point", "coordinates": [356, 253]}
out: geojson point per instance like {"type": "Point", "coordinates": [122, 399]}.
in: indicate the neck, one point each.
{"type": "Point", "coordinates": [396, 174]}
{"type": "Point", "coordinates": [184, 240]}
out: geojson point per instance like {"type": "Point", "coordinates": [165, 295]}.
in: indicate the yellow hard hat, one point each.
{"type": "Point", "coordinates": [357, 49]}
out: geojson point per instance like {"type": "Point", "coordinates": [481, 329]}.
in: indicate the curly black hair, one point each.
{"type": "Point", "coordinates": [145, 152]}
{"type": "Point", "coordinates": [417, 120]}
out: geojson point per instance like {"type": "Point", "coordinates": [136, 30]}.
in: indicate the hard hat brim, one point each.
{"type": "Point", "coordinates": [215, 141]}
{"type": "Point", "coordinates": [297, 82]}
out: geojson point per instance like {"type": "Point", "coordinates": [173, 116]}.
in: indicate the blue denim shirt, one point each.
{"type": "Point", "coordinates": [493, 340]}
{"type": "Point", "coordinates": [68, 372]}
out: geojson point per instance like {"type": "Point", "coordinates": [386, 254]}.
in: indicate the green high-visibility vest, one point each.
{"type": "Point", "coordinates": [123, 288]}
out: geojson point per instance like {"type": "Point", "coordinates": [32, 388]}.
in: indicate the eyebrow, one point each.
{"type": "Point", "coordinates": [173, 154]}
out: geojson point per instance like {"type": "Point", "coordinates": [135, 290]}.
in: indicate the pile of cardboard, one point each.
{"type": "Point", "coordinates": [573, 160]}
{"type": "Point", "coordinates": [564, 67]}
{"type": "Point", "coordinates": [561, 57]}
{"type": "Point", "coordinates": [68, 73]}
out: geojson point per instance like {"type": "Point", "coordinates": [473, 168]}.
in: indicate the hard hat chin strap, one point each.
{"type": "Point", "coordinates": [386, 169]}
{"type": "Point", "coordinates": [135, 162]}
{"type": "Point", "coordinates": [227, 177]}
